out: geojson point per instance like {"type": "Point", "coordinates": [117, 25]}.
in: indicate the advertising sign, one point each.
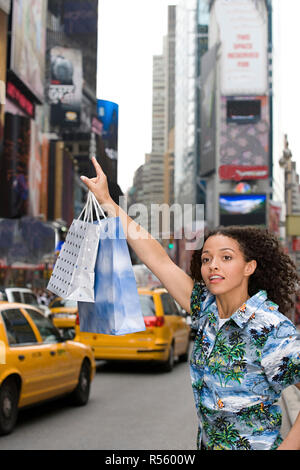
{"type": "Point", "coordinates": [108, 115]}
{"type": "Point", "coordinates": [20, 99]}
{"type": "Point", "coordinates": [244, 141]}
{"type": "Point", "coordinates": [239, 173]}
{"type": "Point", "coordinates": [65, 91]}
{"type": "Point", "coordinates": [28, 45]}
{"type": "Point", "coordinates": [244, 36]}
{"type": "Point", "coordinates": [242, 209]}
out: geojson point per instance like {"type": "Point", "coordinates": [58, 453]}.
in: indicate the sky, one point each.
{"type": "Point", "coordinates": [131, 32]}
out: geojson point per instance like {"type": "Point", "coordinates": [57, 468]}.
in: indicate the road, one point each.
{"type": "Point", "coordinates": [131, 407]}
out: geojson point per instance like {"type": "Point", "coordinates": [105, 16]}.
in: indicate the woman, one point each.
{"type": "Point", "coordinates": [246, 352]}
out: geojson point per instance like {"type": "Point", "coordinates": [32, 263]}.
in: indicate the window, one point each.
{"type": "Point", "coordinates": [147, 305]}
{"type": "Point", "coordinates": [169, 305]}
{"type": "Point", "coordinates": [47, 330]}
{"type": "Point", "coordinates": [3, 296]}
{"type": "Point", "coordinates": [30, 299]}
{"type": "Point", "coordinates": [17, 297]}
{"type": "Point", "coordinates": [17, 327]}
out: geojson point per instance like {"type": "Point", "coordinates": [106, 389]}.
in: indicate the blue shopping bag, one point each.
{"type": "Point", "coordinates": [117, 308]}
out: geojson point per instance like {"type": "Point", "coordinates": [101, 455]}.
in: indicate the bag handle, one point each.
{"type": "Point", "coordinates": [97, 206]}
{"type": "Point", "coordinates": [88, 209]}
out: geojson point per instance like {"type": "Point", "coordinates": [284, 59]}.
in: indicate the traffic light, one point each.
{"type": "Point", "coordinates": [171, 243]}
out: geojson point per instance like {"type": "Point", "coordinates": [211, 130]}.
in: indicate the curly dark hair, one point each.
{"type": "Point", "coordinates": [275, 273]}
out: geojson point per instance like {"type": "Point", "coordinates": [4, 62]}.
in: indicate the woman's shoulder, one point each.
{"type": "Point", "coordinates": [269, 314]}
{"type": "Point", "coordinates": [200, 297]}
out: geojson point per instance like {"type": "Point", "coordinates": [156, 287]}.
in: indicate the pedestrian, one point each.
{"type": "Point", "coordinates": [246, 350]}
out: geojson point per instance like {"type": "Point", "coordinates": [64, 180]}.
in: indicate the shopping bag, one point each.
{"type": "Point", "coordinates": [117, 308]}
{"type": "Point", "coordinates": [73, 274]}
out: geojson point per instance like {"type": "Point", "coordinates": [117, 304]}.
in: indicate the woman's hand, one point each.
{"type": "Point", "coordinates": [98, 186]}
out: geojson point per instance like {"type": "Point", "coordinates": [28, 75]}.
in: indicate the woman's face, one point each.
{"type": "Point", "coordinates": [223, 266]}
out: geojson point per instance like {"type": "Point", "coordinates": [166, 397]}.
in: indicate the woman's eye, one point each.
{"type": "Point", "coordinates": [204, 260]}
{"type": "Point", "coordinates": [227, 257]}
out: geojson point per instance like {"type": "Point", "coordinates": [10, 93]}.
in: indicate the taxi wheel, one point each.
{"type": "Point", "coordinates": [8, 406]}
{"type": "Point", "coordinates": [169, 364]}
{"type": "Point", "coordinates": [81, 394]}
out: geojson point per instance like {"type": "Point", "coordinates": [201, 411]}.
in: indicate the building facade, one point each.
{"type": "Point", "coordinates": [236, 114]}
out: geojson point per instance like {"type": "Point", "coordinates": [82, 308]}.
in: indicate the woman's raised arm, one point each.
{"type": "Point", "coordinates": [149, 250]}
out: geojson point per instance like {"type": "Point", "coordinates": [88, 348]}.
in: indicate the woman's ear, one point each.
{"type": "Point", "coordinates": [250, 267]}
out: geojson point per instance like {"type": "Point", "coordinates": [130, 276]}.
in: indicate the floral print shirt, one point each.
{"type": "Point", "coordinates": [239, 370]}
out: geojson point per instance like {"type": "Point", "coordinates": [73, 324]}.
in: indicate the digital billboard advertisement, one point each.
{"type": "Point", "coordinates": [243, 209]}
{"type": "Point", "coordinates": [108, 115]}
{"type": "Point", "coordinates": [244, 139]}
{"type": "Point", "coordinates": [28, 45]}
{"type": "Point", "coordinates": [65, 90]}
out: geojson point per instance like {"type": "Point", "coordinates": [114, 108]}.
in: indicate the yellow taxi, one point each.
{"type": "Point", "coordinates": [166, 338]}
{"type": "Point", "coordinates": [37, 363]}
{"type": "Point", "coordinates": [63, 315]}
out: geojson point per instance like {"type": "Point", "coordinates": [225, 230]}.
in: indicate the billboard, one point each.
{"type": "Point", "coordinates": [28, 44]}
{"type": "Point", "coordinates": [243, 209]}
{"type": "Point", "coordinates": [244, 139]}
{"type": "Point", "coordinates": [208, 111]}
{"type": "Point", "coordinates": [66, 83]}
{"type": "Point", "coordinates": [108, 115]}
{"type": "Point", "coordinates": [244, 52]}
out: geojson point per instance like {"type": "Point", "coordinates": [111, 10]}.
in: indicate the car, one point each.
{"type": "Point", "coordinates": [166, 338]}
{"type": "Point", "coordinates": [24, 296]}
{"type": "Point", "coordinates": [63, 315]}
{"type": "Point", "coordinates": [37, 363]}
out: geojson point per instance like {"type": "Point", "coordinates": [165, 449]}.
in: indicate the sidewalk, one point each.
{"type": "Point", "coordinates": [290, 404]}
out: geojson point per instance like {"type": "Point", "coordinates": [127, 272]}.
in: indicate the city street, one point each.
{"type": "Point", "coordinates": [132, 406]}
{"type": "Point", "coordinates": [149, 186]}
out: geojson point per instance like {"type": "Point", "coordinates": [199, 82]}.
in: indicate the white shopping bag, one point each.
{"type": "Point", "coordinates": [73, 275]}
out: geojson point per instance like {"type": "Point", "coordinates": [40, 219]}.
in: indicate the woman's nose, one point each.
{"type": "Point", "coordinates": [213, 266]}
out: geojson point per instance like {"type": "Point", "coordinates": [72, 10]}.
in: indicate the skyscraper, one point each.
{"type": "Point", "coordinates": [191, 43]}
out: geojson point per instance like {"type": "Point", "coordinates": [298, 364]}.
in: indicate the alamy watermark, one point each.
{"type": "Point", "coordinates": [161, 221]}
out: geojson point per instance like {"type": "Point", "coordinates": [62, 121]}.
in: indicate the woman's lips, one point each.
{"type": "Point", "coordinates": [216, 280]}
